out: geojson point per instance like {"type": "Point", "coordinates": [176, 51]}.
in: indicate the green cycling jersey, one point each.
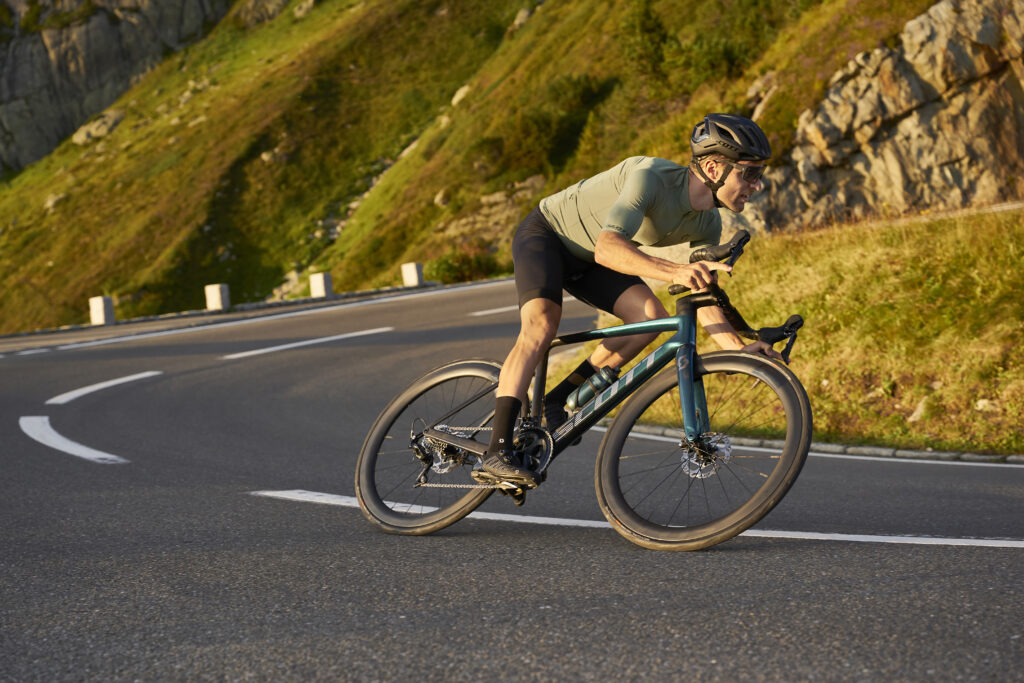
{"type": "Point", "coordinates": [644, 199]}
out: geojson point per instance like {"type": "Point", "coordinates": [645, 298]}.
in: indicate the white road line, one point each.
{"type": "Point", "coordinates": [72, 395]}
{"type": "Point", "coordinates": [835, 456]}
{"type": "Point", "coordinates": [509, 309]}
{"type": "Point", "coordinates": [302, 496]}
{"type": "Point", "coordinates": [307, 342]}
{"type": "Point", "coordinates": [39, 429]}
{"type": "Point", "coordinates": [277, 316]}
{"type": "Point", "coordinates": [493, 311]}
{"type": "Point", "coordinates": [31, 352]}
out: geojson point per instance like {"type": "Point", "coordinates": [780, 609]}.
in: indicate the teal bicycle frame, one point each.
{"type": "Point", "coordinates": [682, 346]}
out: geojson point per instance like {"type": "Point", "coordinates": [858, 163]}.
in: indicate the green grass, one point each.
{"type": "Point", "coordinates": [904, 318]}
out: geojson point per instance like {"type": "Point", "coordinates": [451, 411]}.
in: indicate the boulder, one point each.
{"type": "Point", "coordinates": [932, 124]}
{"type": "Point", "coordinates": [53, 80]}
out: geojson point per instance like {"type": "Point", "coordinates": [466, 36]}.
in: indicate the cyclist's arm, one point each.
{"type": "Point", "coordinates": [619, 254]}
{"type": "Point", "coordinates": [712, 319]}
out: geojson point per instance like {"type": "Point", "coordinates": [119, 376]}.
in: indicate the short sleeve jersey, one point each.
{"type": "Point", "coordinates": [644, 199]}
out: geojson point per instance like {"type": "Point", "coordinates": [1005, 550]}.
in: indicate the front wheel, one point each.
{"type": "Point", "coordinates": [407, 483]}
{"type": "Point", "coordinates": [663, 493]}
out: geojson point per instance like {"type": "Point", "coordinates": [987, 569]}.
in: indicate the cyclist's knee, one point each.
{"type": "Point", "coordinates": [538, 333]}
{"type": "Point", "coordinates": [540, 318]}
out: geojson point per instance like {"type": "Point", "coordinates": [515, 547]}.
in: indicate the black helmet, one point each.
{"type": "Point", "coordinates": [735, 137]}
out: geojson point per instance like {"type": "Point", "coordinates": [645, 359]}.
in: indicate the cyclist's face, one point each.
{"type": "Point", "coordinates": [737, 190]}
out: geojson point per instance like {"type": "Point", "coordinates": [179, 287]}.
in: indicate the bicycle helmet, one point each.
{"type": "Point", "coordinates": [734, 137]}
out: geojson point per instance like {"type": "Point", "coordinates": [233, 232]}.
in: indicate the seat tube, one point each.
{"type": "Point", "coordinates": [688, 391]}
{"type": "Point", "coordinates": [540, 376]}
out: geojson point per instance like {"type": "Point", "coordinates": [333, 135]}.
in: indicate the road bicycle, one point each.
{"type": "Point", "coordinates": [697, 447]}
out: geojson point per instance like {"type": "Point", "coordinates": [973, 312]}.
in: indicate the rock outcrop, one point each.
{"type": "Point", "coordinates": [60, 67]}
{"type": "Point", "coordinates": [934, 123]}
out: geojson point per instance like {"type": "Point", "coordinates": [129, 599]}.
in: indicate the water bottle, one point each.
{"type": "Point", "coordinates": [588, 390]}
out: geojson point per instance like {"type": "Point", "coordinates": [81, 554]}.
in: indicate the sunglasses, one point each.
{"type": "Point", "coordinates": [750, 174]}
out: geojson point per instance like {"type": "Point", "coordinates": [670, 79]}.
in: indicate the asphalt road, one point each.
{"type": "Point", "coordinates": [166, 566]}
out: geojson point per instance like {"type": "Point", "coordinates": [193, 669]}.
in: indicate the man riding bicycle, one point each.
{"type": "Point", "coordinates": [584, 239]}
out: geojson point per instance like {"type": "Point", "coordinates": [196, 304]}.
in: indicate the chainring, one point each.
{"type": "Point", "coordinates": [536, 447]}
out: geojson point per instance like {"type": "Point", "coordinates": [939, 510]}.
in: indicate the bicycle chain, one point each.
{"type": "Point", "coordinates": [457, 486]}
{"type": "Point", "coordinates": [449, 429]}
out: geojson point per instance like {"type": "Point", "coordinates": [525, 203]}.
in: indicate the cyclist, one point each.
{"type": "Point", "coordinates": [584, 239]}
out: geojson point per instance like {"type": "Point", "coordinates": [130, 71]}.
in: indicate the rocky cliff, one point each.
{"type": "Point", "coordinates": [934, 122]}
{"type": "Point", "coordinates": [63, 62]}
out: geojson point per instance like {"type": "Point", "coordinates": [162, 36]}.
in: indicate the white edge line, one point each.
{"type": "Point", "coordinates": [77, 393]}
{"type": "Point", "coordinates": [843, 456]}
{"type": "Point", "coordinates": [38, 428]}
{"type": "Point", "coordinates": [303, 496]}
{"type": "Point", "coordinates": [276, 316]}
{"type": "Point", "coordinates": [307, 342]}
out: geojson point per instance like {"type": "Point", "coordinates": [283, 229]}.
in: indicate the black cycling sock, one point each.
{"type": "Point", "coordinates": [506, 410]}
{"type": "Point", "coordinates": [559, 394]}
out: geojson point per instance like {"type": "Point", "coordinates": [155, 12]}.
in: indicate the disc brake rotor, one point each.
{"type": "Point", "coordinates": [703, 460]}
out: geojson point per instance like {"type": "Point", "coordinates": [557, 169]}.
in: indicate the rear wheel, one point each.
{"type": "Point", "coordinates": [663, 493]}
{"type": "Point", "coordinates": [407, 483]}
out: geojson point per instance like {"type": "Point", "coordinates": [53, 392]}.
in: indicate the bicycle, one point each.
{"type": "Point", "coordinates": [676, 469]}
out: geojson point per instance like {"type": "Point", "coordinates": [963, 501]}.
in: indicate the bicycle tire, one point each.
{"type": "Point", "coordinates": [387, 468]}
{"type": "Point", "coordinates": [651, 489]}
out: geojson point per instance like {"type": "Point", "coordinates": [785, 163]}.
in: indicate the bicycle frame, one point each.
{"type": "Point", "coordinates": [682, 346]}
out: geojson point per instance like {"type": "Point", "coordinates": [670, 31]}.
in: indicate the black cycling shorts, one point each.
{"type": "Point", "coordinates": [544, 266]}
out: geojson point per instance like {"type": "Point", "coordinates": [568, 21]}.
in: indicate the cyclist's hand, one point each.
{"type": "Point", "coordinates": [699, 275]}
{"type": "Point", "coordinates": [762, 347]}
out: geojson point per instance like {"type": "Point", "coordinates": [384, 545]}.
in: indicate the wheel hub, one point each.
{"type": "Point", "coordinates": [702, 460]}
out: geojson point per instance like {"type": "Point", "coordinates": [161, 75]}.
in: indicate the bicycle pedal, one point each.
{"type": "Point", "coordinates": [517, 495]}
{"type": "Point", "coordinates": [485, 477]}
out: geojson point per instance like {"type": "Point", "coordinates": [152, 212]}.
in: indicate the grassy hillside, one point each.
{"type": "Point", "coordinates": [241, 158]}
{"type": "Point", "coordinates": [912, 329]}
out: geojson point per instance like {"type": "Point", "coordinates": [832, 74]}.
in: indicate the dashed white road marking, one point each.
{"type": "Point", "coordinates": [494, 311]}
{"type": "Point", "coordinates": [271, 317]}
{"type": "Point", "coordinates": [72, 395]}
{"type": "Point", "coordinates": [509, 309]}
{"type": "Point", "coordinates": [307, 342]}
{"type": "Point", "coordinates": [303, 496]}
{"type": "Point", "coordinates": [39, 429]}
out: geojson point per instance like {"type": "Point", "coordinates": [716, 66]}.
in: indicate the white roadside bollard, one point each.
{"type": "Point", "coordinates": [412, 274]}
{"type": "Point", "coordinates": [320, 286]}
{"type": "Point", "coordinates": [101, 310]}
{"type": "Point", "coordinates": [218, 297]}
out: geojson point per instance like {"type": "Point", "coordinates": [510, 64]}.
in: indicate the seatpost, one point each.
{"type": "Point", "coordinates": [539, 380]}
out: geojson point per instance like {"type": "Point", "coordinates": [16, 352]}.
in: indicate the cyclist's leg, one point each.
{"type": "Point", "coordinates": [536, 253]}
{"type": "Point", "coordinates": [539, 320]}
{"type": "Point", "coordinates": [636, 304]}
{"type": "Point", "coordinates": [625, 296]}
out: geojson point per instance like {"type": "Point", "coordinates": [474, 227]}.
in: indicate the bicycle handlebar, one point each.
{"type": "Point", "coordinates": [732, 249]}
{"type": "Point", "coordinates": [728, 253]}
